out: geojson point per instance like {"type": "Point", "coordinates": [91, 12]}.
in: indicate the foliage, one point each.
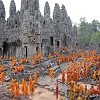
{"type": "Point", "coordinates": [89, 33]}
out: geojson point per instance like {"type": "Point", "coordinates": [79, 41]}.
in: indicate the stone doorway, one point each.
{"type": "Point", "coordinates": [0, 51]}
{"type": "Point", "coordinates": [25, 51]}
{"type": "Point", "coordinates": [57, 44]}
{"type": "Point", "coordinates": [51, 41]}
{"type": "Point", "coordinates": [37, 49]}
{"type": "Point", "coordinates": [5, 48]}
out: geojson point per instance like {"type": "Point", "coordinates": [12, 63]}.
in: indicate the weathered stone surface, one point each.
{"type": "Point", "coordinates": [28, 29]}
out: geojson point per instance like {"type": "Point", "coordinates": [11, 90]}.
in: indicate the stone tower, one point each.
{"type": "Point", "coordinates": [2, 25]}
{"type": "Point", "coordinates": [66, 26]}
{"type": "Point", "coordinates": [12, 8]}
{"type": "Point", "coordinates": [30, 28]}
{"type": "Point", "coordinates": [48, 34]}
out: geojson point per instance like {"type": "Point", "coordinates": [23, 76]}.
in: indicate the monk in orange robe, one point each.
{"type": "Point", "coordinates": [17, 89]}
{"type": "Point", "coordinates": [22, 67]}
{"type": "Point", "coordinates": [92, 90]}
{"type": "Point", "coordinates": [68, 77]}
{"type": "Point", "coordinates": [0, 58]}
{"type": "Point", "coordinates": [57, 90]}
{"type": "Point", "coordinates": [26, 89]}
{"type": "Point", "coordinates": [10, 58]}
{"type": "Point", "coordinates": [51, 73]}
{"type": "Point", "coordinates": [35, 77]}
{"type": "Point", "coordinates": [26, 59]}
{"type": "Point", "coordinates": [30, 83]}
{"type": "Point", "coordinates": [6, 57]}
{"type": "Point", "coordinates": [12, 86]}
{"type": "Point", "coordinates": [81, 87]}
{"type": "Point", "coordinates": [20, 61]}
{"type": "Point", "coordinates": [33, 61]}
{"type": "Point", "coordinates": [16, 70]}
{"type": "Point", "coordinates": [33, 87]}
{"type": "Point", "coordinates": [2, 77]}
{"type": "Point", "coordinates": [23, 85]}
{"type": "Point", "coordinates": [63, 77]}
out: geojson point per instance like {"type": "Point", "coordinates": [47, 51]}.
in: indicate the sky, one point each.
{"type": "Point", "coordinates": [75, 8]}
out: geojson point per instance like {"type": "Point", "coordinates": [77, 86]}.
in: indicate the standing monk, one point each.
{"type": "Point", "coordinates": [63, 77]}
{"type": "Point", "coordinates": [33, 61]}
{"type": "Point", "coordinates": [26, 89]}
{"type": "Point", "coordinates": [57, 90]}
{"type": "Point", "coordinates": [35, 77]}
{"type": "Point", "coordinates": [51, 73]}
{"type": "Point", "coordinates": [30, 83]}
{"type": "Point", "coordinates": [17, 89]}
{"type": "Point", "coordinates": [12, 86]}
{"type": "Point", "coordinates": [23, 85]}
{"type": "Point", "coordinates": [2, 77]}
{"type": "Point", "coordinates": [33, 87]}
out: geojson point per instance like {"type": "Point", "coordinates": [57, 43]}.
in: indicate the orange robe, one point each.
{"type": "Point", "coordinates": [63, 77]}
{"type": "Point", "coordinates": [26, 90]}
{"type": "Point", "coordinates": [2, 77]}
{"type": "Point", "coordinates": [81, 87]}
{"type": "Point", "coordinates": [33, 87]}
{"type": "Point", "coordinates": [51, 73]}
{"type": "Point", "coordinates": [68, 77]}
{"type": "Point", "coordinates": [33, 62]}
{"type": "Point", "coordinates": [57, 90]}
{"type": "Point", "coordinates": [23, 85]}
{"type": "Point", "coordinates": [17, 89]}
{"type": "Point", "coordinates": [12, 86]}
{"type": "Point", "coordinates": [30, 83]}
{"type": "Point", "coordinates": [92, 91]}
{"type": "Point", "coordinates": [35, 77]}
{"type": "Point", "coordinates": [21, 61]}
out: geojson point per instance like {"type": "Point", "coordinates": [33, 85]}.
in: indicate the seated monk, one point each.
{"type": "Point", "coordinates": [20, 61]}
{"type": "Point", "coordinates": [92, 90]}
{"type": "Point", "coordinates": [98, 89]}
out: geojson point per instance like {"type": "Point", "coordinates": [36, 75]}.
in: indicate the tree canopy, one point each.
{"type": "Point", "coordinates": [89, 33]}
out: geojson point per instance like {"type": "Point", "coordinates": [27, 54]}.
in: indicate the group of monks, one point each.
{"type": "Point", "coordinates": [26, 87]}
{"type": "Point", "coordinates": [80, 68]}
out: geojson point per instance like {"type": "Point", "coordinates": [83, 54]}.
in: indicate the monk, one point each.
{"type": "Point", "coordinates": [17, 89]}
{"type": "Point", "coordinates": [71, 83]}
{"type": "Point", "coordinates": [57, 90]}
{"type": "Point", "coordinates": [86, 93]}
{"type": "Point", "coordinates": [92, 90]}
{"type": "Point", "coordinates": [16, 70]}
{"type": "Point", "coordinates": [2, 77]}
{"type": "Point", "coordinates": [0, 58]}
{"type": "Point", "coordinates": [68, 77]}
{"type": "Point", "coordinates": [33, 87]}
{"type": "Point", "coordinates": [35, 77]}
{"type": "Point", "coordinates": [81, 87]}
{"type": "Point", "coordinates": [79, 97]}
{"type": "Point", "coordinates": [6, 57]}
{"type": "Point", "coordinates": [30, 83]}
{"type": "Point", "coordinates": [51, 73]}
{"type": "Point", "coordinates": [10, 58]}
{"type": "Point", "coordinates": [23, 85]}
{"type": "Point", "coordinates": [26, 59]}
{"type": "Point", "coordinates": [12, 86]}
{"type": "Point", "coordinates": [20, 61]}
{"type": "Point", "coordinates": [94, 75]}
{"type": "Point", "coordinates": [63, 77]}
{"type": "Point", "coordinates": [33, 61]}
{"type": "Point", "coordinates": [75, 87]}
{"type": "Point", "coordinates": [26, 89]}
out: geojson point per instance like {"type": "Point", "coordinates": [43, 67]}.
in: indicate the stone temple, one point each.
{"type": "Point", "coordinates": [26, 32]}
